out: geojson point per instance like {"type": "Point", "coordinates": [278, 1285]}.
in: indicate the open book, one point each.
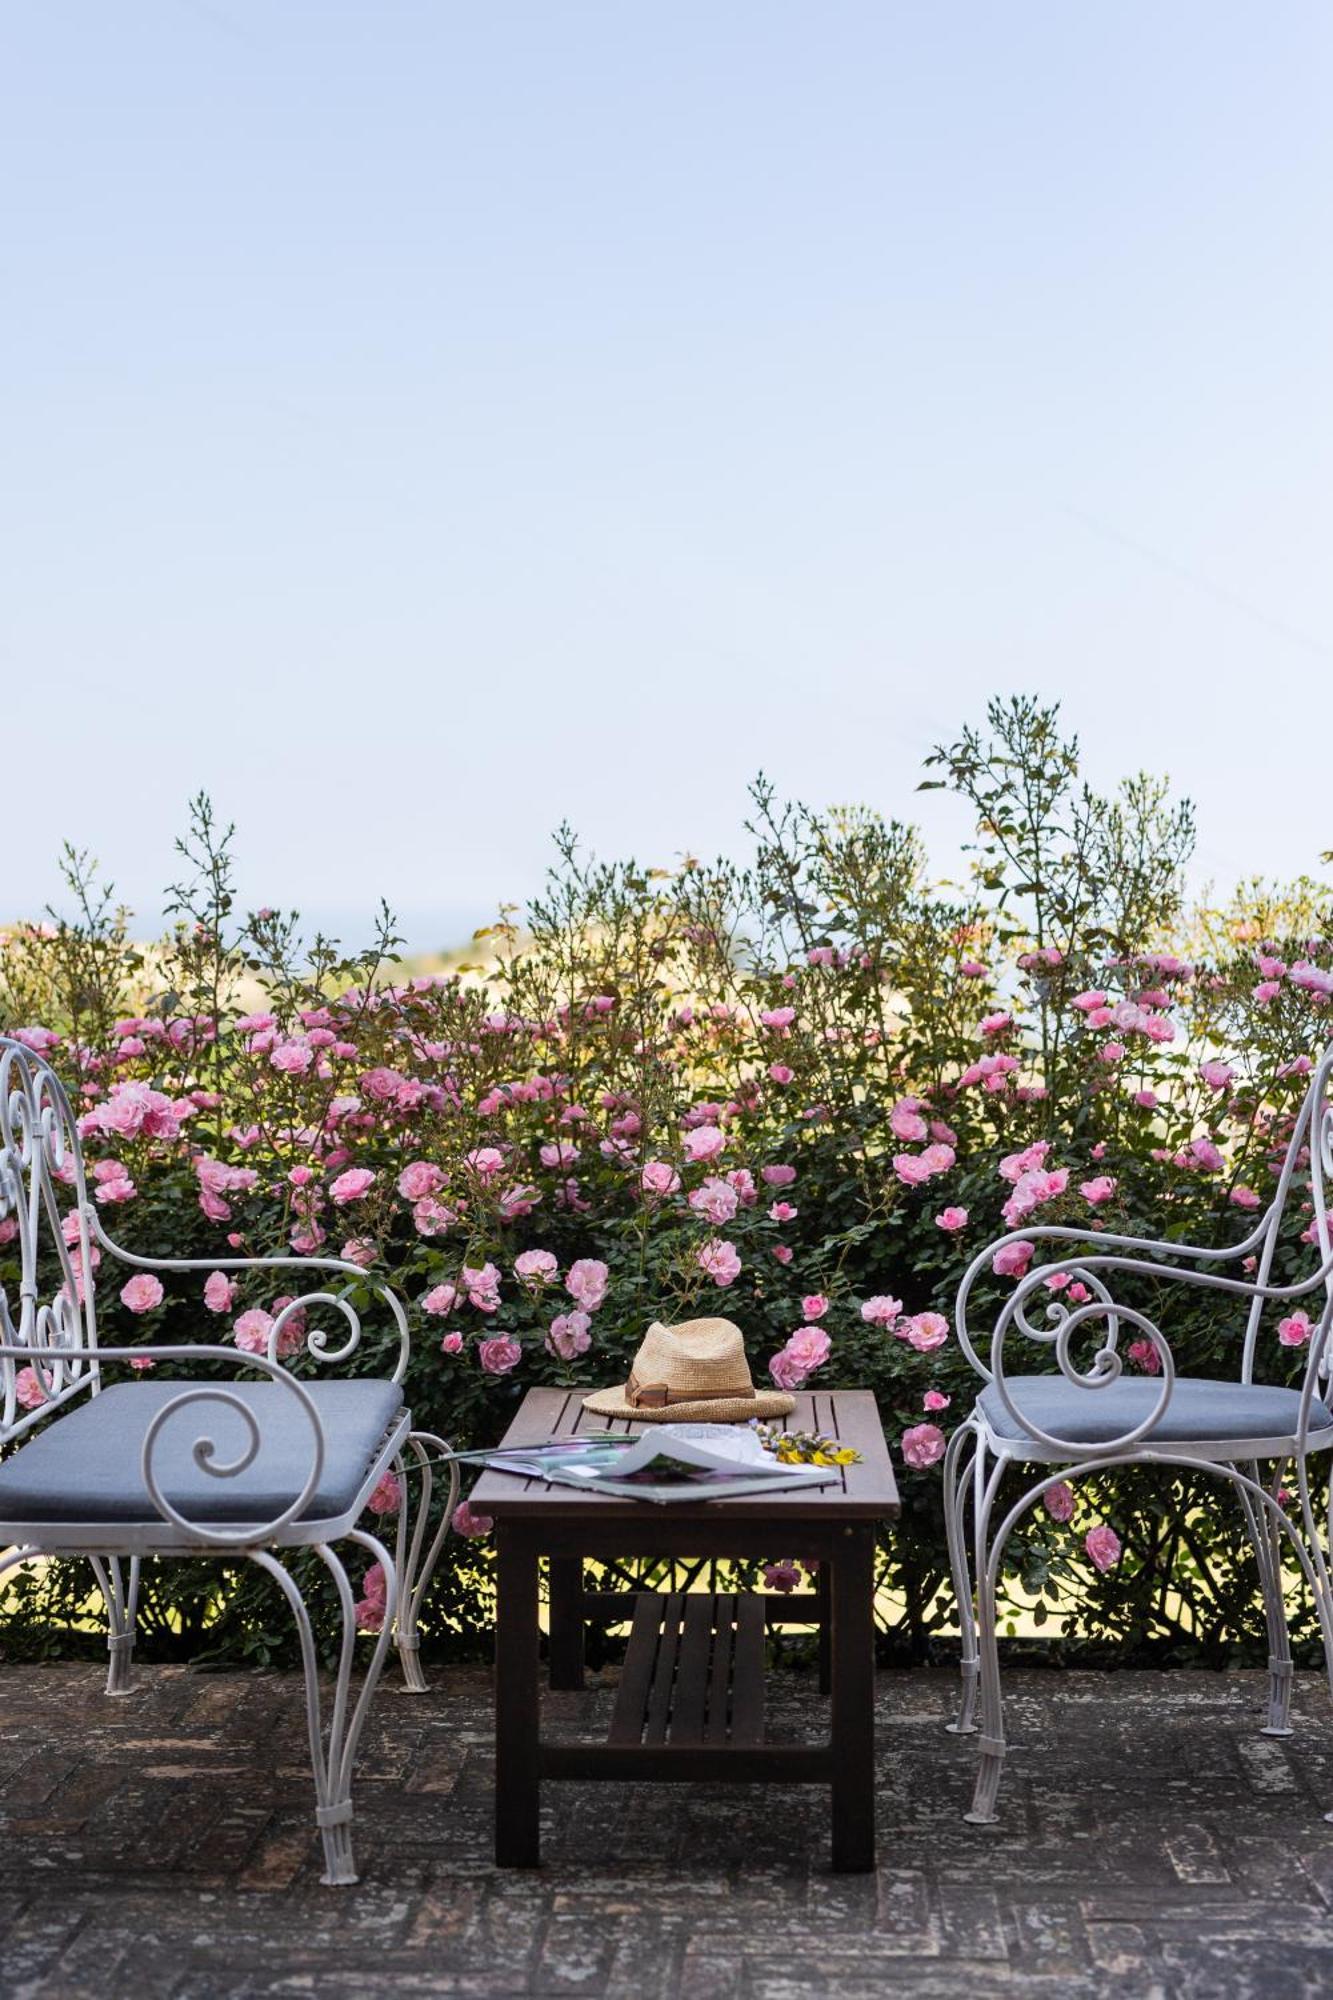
{"type": "Point", "coordinates": [669, 1462]}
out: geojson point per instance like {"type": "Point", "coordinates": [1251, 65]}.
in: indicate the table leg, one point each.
{"type": "Point", "coordinates": [825, 1629]}
{"type": "Point", "coordinates": [851, 1584]}
{"type": "Point", "coordinates": [566, 1607]}
{"type": "Point", "coordinates": [517, 1714]}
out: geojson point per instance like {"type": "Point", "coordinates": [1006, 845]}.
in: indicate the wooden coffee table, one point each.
{"type": "Point", "coordinates": [690, 1704]}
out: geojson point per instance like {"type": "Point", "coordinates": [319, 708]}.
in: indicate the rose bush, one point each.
{"type": "Point", "coordinates": [803, 1093]}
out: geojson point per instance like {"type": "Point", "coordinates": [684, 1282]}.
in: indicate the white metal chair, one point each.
{"type": "Point", "coordinates": [1081, 1421]}
{"type": "Point", "coordinates": [118, 1470]}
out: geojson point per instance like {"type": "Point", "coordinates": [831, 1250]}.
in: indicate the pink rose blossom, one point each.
{"type": "Point", "coordinates": [814, 1306]}
{"type": "Point", "coordinates": [783, 1252]}
{"type": "Point", "coordinates": [1058, 1500]}
{"type": "Point", "coordinates": [1095, 1192]}
{"type": "Point", "coordinates": [951, 1219]}
{"type": "Point", "coordinates": [535, 1268]}
{"type": "Point", "coordinates": [440, 1300]}
{"type": "Point", "coordinates": [779, 1073]}
{"type": "Point", "coordinates": [468, 1522]}
{"type": "Point", "coordinates": [703, 1144]}
{"type": "Point", "coordinates": [659, 1178]}
{"type": "Point", "coordinates": [783, 1576]}
{"type": "Point", "coordinates": [1103, 1547]}
{"type": "Point", "coordinates": [778, 1176]}
{"type": "Point", "coordinates": [935, 1399]}
{"type": "Point", "coordinates": [1144, 1354]}
{"type": "Point", "coordinates": [719, 1260]}
{"type": "Point", "coordinates": [926, 1332]}
{"type": "Point", "coordinates": [586, 1283]}
{"type": "Point", "coordinates": [1294, 1331]}
{"type": "Point", "coordinates": [481, 1282]}
{"type": "Point", "coordinates": [387, 1497]}
{"type": "Point", "coordinates": [219, 1292]}
{"type": "Point", "coordinates": [717, 1200]}
{"type": "Point", "coordinates": [881, 1310]}
{"type": "Point", "coordinates": [1217, 1075]}
{"type": "Point", "coordinates": [922, 1445]}
{"type": "Point", "coordinates": [499, 1354]}
{"type": "Point", "coordinates": [1012, 1259]}
{"type": "Point", "coordinates": [782, 1211]}
{"type": "Point", "coordinates": [452, 1343]}
{"type": "Point", "coordinates": [570, 1335]}
{"type": "Point", "coordinates": [418, 1179]}
{"type": "Point", "coordinates": [906, 1122]}
{"type": "Point", "coordinates": [28, 1389]}
{"type": "Point", "coordinates": [142, 1294]}
{"type": "Point", "coordinates": [354, 1185]}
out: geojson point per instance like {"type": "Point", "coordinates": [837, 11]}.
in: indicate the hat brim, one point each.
{"type": "Point", "coordinates": [764, 1405]}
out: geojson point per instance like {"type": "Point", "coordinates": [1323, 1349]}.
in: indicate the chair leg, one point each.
{"type": "Point", "coordinates": [414, 1560]}
{"type": "Point", "coordinates": [333, 1748]}
{"type": "Point", "coordinates": [1264, 1534]}
{"type": "Point", "coordinates": [990, 1742]}
{"type": "Point", "coordinates": [122, 1603]}
{"type": "Point", "coordinates": [955, 1523]}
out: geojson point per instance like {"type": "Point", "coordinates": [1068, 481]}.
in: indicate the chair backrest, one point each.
{"type": "Point", "coordinates": [1310, 1146]}
{"type": "Point", "coordinates": [44, 1217]}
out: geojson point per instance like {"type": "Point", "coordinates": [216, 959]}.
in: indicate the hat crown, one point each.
{"type": "Point", "coordinates": [701, 1355]}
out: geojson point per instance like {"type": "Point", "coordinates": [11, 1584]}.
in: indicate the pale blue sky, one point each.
{"type": "Point", "coordinates": [424, 421]}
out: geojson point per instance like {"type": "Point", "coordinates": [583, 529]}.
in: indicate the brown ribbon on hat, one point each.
{"type": "Point", "coordinates": [657, 1396]}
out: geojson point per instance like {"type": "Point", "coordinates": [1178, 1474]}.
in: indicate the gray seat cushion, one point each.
{"type": "Point", "coordinates": [1199, 1411]}
{"type": "Point", "coordinates": [84, 1464]}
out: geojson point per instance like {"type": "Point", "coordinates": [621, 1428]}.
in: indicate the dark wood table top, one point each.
{"type": "Point", "coordinates": [865, 1491]}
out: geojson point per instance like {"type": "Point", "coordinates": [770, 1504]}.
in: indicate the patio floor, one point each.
{"type": "Point", "coordinates": [1153, 1843]}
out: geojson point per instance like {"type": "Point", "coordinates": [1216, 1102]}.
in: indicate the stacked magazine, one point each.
{"type": "Point", "coordinates": [669, 1462]}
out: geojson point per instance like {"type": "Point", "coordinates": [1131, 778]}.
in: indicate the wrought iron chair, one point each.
{"type": "Point", "coordinates": [1084, 1420]}
{"type": "Point", "coordinates": [118, 1470]}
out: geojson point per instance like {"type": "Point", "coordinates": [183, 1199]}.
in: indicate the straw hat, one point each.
{"type": "Point", "coordinates": [695, 1372]}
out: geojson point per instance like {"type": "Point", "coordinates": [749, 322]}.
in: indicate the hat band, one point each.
{"type": "Point", "coordinates": [657, 1395]}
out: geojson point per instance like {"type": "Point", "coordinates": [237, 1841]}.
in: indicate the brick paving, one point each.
{"type": "Point", "coordinates": [1152, 1844]}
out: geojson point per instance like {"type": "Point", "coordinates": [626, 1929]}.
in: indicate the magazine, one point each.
{"type": "Point", "coordinates": [669, 1462]}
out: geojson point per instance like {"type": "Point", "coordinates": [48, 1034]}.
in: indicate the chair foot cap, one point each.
{"type": "Point", "coordinates": [1270, 1729]}
{"type": "Point", "coordinates": [981, 1819]}
{"type": "Point", "coordinates": [961, 1728]}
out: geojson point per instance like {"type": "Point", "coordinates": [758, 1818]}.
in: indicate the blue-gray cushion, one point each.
{"type": "Point", "coordinates": [1198, 1411]}
{"type": "Point", "coordinates": [84, 1465]}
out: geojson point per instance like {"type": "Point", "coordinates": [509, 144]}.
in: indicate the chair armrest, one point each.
{"type": "Point", "coordinates": [317, 1343]}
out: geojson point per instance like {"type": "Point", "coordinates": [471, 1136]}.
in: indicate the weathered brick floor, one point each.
{"type": "Point", "coordinates": [1153, 1844]}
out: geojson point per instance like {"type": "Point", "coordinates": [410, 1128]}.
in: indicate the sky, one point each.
{"type": "Point", "coordinates": [426, 422]}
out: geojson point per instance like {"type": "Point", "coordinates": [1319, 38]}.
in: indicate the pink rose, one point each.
{"type": "Point", "coordinates": [1095, 1192]}
{"type": "Point", "coordinates": [923, 1445]}
{"type": "Point", "coordinates": [387, 1497]}
{"type": "Point", "coordinates": [468, 1522]}
{"type": "Point", "coordinates": [536, 1267]}
{"type": "Point", "coordinates": [354, 1185]}
{"type": "Point", "coordinates": [782, 1211]}
{"type": "Point", "coordinates": [782, 1576]}
{"type": "Point", "coordinates": [780, 1073]}
{"type": "Point", "coordinates": [717, 1200]}
{"type": "Point", "coordinates": [779, 1176]}
{"type": "Point", "coordinates": [1217, 1075]}
{"type": "Point", "coordinates": [1294, 1331]}
{"type": "Point", "coordinates": [1058, 1501]}
{"type": "Point", "coordinates": [1245, 1197]}
{"type": "Point", "coordinates": [28, 1389]}
{"type": "Point", "coordinates": [912, 1169]}
{"type": "Point", "coordinates": [252, 1330]}
{"type": "Point", "coordinates": [783, 1252]}
{"type": "Point", "coordinates": [499, 1354]}
{"type": "Point", "coordinates": [1012, 1259]}
{"type": "Point", "coordinates": [452, 1343]}
{"type": "Point", "coordinates": [659, 1178]}
{"type": "Point", "coordinates": [810, 1346]}
{"type": "Point", "coordinates": [1103, 1546]}
{"type": "Point", "coordinates": [703, 1144]}
{"type": "Point", "coordinates": [935, 1399]}
{"type": "Point", "coordinates": [418, 1179]}
{"type": "Point", "coordinates": [440, 1300]}
{"type": "Point", "coordinates": [1144, 1355]}
{"type": "Point", "coordinates": [570, 1335]}
{"type": "Point", "coordinates": [219, 1292]}
{"type": "Point", "coordinates": [785, 1371]}
{"type": "Point", "coordinates": [586, 1282]}
{"type": "Point", "coordinates": [814, 1306]}
{"type": "Point", "coordinates": [142, 1294]}
{"type": "Point", "coordinates": [927, 1331]}
{"type": "Point", "coordinates": [881, 1310]}
{"type": "Point", "coordinates": [951, 1219]}
{"type": "Point", "coordinates": [719, 1260]}
{"type": "Point", "coordinates": [906, 1122]}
